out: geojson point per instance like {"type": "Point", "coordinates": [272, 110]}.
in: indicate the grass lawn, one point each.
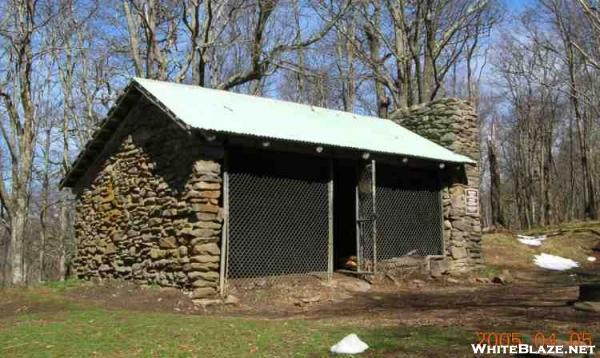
{"type": "Point", "coordinates": [51, 325]}
{"type": "Point", "coordinates": [52, 321]}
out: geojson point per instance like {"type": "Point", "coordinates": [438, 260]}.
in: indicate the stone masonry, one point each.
{"type": "Point", "coordinates": [149, 209]}
{"type": "Point", "coordinates": [453, 124]}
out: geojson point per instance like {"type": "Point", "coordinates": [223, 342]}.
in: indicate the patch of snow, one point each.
{"type": "Point", "coordinates": [531, 240]}
{"type": "Point", "coordinates": [350, 344]}
{"type": "Point", "coordinates": [556, 263]}
{"type": "Point", "coordinates": [591, 259]}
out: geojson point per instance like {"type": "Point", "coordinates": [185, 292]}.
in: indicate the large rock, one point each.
{"type": "Point", "coordinates": [205, 208]}
{"type": "Point", "coordinates": [167, 243]}
{"type": "Point", "coordinates": [204, 283]}
{"type": "Point", "coordinates": [206, 225]}
{"type": "Point", "coordinates": [207, 249]}
{"type": "Point", "coordinates": [504, 278]}
{"type": "Point", "coordinates": [458, 252]}
{"type": "Point", "coordinates": [206, 186]}
{"type": "Point", "coordinates": [206, 167]}
{"type": "Point", "coordinates": [438, 267]}
{"type": "Point", "coordinates": [110, 249]}
{"type": "Point", "coordinates": [157, 253]}
{"type": "Point", "coordinates": [208, 217]}
{"type": "Point", "coordinates": [353, 285]}
{"type": "Point", "coordinates": [192, 233]}
{"type": "Point", "coordinates": [232, 300]}
{"type": "Point", "coordinates": [587, 306]}
{"type": "Point", "coordinates": [203, 292]}
{"type": "Point", "coordinates": [197, 266]}
{"type": "Point", "coordinates": [205, 258]}
{"type": "Point", "coordinates": [204, 240]}
{"type": "Point", "coordinates": [460, 225]}
{"type": "Point", "coordinates": [209, 276]}
{"type": "Point", "coordinates": [203, 194]}
{"type": "Point", "coordinates": [183, 251]}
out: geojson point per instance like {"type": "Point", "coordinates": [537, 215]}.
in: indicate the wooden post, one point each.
{"type": "Point", "coordinates": [224, 229]}
{"type": "Point", "coordinates": [330, 218]}
{"type": "Point", "coordinates": [441, 199]}
{"type": "Point", "coordinates": [358, 225]}
{"type": "Point", "coordinates": [374, 223]}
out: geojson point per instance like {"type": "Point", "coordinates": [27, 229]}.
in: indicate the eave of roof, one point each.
{"type": "Point", "coordinates": [101, 135]}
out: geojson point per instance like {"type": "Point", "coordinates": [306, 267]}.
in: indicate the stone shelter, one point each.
{"type": "Point", "coordinates": [195, 188]}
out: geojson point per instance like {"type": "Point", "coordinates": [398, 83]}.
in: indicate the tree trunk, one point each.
{"type": "Point", "coordinates": [64, 224]}
{"type": "Point", "coordinates": [15, 249]}
{"type": "Point", "coordinates": [588, 182]}
{"type": "Point", "coordinates": [375, 53]}
{"type": "Point", "coordinates": [495, 189]}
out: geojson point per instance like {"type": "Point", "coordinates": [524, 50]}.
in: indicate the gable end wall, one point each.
{"type": "Point", "coordinates": [149, 209]}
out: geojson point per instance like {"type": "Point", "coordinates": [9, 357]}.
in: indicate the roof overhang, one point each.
{"type": "Point", "coordinates": [261, 118]}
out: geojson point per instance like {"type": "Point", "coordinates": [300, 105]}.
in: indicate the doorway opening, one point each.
{"type": "Point", "coordinates": [345, 177]}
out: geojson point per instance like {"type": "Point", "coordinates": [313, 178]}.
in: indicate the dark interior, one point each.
{"type": "Point", "coordinates": [409, 212]}
{"type": "Point", "coordinates": [344, 211]}
{"type": "Point", "coordinates": [278, 206]}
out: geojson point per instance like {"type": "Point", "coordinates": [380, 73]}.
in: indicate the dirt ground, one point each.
{"type": "Point", "coordinates": [525, 305]}
{"type": "Point", "coordinates": [534, 300]}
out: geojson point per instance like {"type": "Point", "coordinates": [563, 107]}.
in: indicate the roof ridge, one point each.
{"type": "Point", "coordinates": [277, 100]}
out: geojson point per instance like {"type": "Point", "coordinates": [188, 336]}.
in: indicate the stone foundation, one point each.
{"type": "Point", "coordinates": [453, 124]}
{"type": "Point", "coordinates": [150, 210]}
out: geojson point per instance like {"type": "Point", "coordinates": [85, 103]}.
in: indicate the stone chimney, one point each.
{"type": "Point", "coordinates": [453, 124]}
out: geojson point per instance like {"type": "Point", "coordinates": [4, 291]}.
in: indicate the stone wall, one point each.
{"type": "Point", "coordinates": [149, 208]}
{"type": "Point", "coordinates": [453, 124]}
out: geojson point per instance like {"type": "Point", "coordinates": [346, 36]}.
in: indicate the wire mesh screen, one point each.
{"type": "Point", "coordinates": [278, 214]}
{"type": "Point", "coordinates": [366, 218]}
{"type": "Point", "coordinates": [409, 213]}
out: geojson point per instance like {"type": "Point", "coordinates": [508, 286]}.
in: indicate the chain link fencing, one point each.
{"type": "Point", "coordinates": [278, 222]}
{"type": "Point", "coordinates": [278, 216]}
{"type": "Point", "coordinates": [409, 213]}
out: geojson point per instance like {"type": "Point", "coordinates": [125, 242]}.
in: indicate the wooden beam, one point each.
{"type": "Point", "coordinates": [330, 187]}
{"type": "Point", "coordinates": [224, 264]}
{"type": "Point", "coordinates": [374, 195]}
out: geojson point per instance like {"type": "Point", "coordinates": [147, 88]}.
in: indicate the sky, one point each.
{"type": "Point", "coordinates": [517, 5]}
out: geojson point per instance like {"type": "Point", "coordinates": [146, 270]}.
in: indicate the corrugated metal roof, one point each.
{"type": "Point", "coordinates": [235, 113]}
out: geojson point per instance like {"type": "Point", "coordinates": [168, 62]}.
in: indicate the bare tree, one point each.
{"type": "Point", "coordinates": [566, 30]}
{"type": "Point", "coordinates": [497, 216]}
{"type": "Point", "coordinates": [19, 27]}
{"type": "Point", "coordinates": [410, 47]}
{"type": "Point", "coordinates": [213, 27]}
{"type": "Point", "coordinates": [548, 117]}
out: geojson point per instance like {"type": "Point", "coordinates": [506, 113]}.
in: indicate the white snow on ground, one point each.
{"type": "Point", "coordinates": [557, 263]}
{"type": "Point", "coordinates": [350, 344]}
{"type": "Point", "coordinates": [531, 240]}
{"type": "Point", "coordinates": [591, 259]}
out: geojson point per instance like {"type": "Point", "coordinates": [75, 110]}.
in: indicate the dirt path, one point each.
{"type": "Point", "coordinates": [536, 301]}
{"type": "Point", "coordinates": [522, 306]}
{"type": "Point", "coordinates": [482, 308]}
